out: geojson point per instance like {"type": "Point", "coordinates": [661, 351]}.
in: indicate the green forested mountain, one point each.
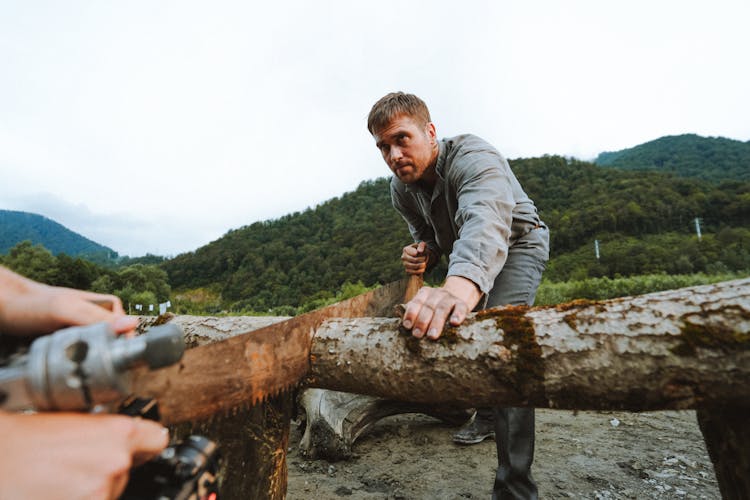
{"type": "Point", "coordinates": [644, 221]}
{"type": "Point", "coordinates": [20, 226]}
{"type": "Point", "coordinates": [45, 251]}
{"type": "Point", "coordinates": [355, 238]}
{"type": "Point", "coordinates": [581, 201]}
{"type": "Point", "coordinates": [688, 155]}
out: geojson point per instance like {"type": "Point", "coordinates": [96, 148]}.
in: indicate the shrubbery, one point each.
{"type": "Point", "coordinates": [608, 288]}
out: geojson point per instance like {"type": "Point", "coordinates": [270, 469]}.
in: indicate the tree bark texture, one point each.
{"type": "Point", "coordinates": [686, 348]}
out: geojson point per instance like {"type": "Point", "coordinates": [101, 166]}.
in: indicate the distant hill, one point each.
{"type": "Point", "coordinates": [711, 158]}
{"type": "Point", "coordinates": [16, 227]}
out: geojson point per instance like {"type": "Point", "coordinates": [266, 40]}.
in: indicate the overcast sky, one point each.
{"type": "Point", "coordinates": [155, 126]}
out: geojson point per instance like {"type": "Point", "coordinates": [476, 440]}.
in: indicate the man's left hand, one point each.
{"type": "Point", "coordinates": [429, 310]}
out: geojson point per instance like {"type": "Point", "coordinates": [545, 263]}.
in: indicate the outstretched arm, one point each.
{"type": "Point", "coordinates": [31, 308]}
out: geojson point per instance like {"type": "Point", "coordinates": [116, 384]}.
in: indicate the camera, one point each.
{"type": "Point", "coordinates": [184, 471]}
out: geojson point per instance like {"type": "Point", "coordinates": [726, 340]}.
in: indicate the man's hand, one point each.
{"type": "Point", "coordinates": [416, 258]}
{"type": "Point", "coordinates": [428, 311]}
{"type": "Point", "coordinates": [31, 308]}
{"type": "Point", "coordinates": [73, 456]}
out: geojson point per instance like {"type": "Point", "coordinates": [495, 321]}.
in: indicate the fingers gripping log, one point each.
{"type": "Point", "coordinates": [686, 348]}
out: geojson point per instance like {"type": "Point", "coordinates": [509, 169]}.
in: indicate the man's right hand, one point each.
{"type": "Point", "coordinates": [416, 258]}
{"type": "Point", "coordinates": [73, 456]}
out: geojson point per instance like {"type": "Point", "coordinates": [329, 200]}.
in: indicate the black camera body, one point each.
{"type": "Point", "coordinates": [184, 471]}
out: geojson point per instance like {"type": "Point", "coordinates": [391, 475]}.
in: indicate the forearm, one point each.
{"type": "Point", "coordinates": [484, 217]}
{"type": "Point", "coordinates": [12, 285]}
{"type": "Point", "coordinates": [418, 228]}
{"type": "Point", "coordinates": [31, 308]}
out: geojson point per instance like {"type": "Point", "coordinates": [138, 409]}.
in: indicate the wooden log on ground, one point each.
{"type": "Point", "coordinates": [334, 420]}
{"type": "Point", "coordinates": [686, 348]}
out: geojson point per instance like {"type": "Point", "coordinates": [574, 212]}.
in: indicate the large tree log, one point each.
{"type": "Point", "coordinates": [679, 349]}
{"type": "Point", "coordinates": [687, 348]}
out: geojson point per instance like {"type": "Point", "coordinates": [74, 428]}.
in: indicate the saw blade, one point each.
{"type": "Point", "coordinates": [253, 366]}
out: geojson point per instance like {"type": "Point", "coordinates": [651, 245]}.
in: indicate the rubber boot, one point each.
{"type": "Point", "coordinates": [514, 428]}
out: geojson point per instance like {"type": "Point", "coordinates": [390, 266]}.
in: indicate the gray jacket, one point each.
{"type": "Point", "coordinates": [476, 213]}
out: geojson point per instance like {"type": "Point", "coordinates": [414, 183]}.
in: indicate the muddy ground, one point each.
{"type": "Point", "coordinates": [587, 455]}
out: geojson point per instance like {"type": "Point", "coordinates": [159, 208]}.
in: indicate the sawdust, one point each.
{"type": "Point", "coordinates": [588, 455]}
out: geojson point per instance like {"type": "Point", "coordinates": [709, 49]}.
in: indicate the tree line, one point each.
{"type": "Point", "coordinates": [643, 221]}
{"type": "Point", "coordinates": [134, 284]}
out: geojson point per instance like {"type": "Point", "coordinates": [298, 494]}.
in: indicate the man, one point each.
{"type": "Point", "coordinates": [66, 455]}
{"type": "Point", "coordinates": [460, 198]}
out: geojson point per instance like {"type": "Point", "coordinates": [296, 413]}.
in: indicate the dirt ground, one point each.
{"type": "Point", "coordinates": [586, 455]}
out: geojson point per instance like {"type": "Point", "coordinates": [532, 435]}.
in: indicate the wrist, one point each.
{"type": "Point", "coordinates": [463, 289]}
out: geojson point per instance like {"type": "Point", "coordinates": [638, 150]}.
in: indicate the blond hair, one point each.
{"type": "Point", "coordinates": [395, 104]}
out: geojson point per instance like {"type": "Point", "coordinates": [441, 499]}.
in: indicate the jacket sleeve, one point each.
{"type": "Point", "coordinates": [484, 215]}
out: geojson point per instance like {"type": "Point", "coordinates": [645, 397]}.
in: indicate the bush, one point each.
{"type": "Point", "coordinates": [608, 288]}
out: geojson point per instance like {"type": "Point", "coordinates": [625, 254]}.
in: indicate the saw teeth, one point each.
{"type": "Point", "coordinates": [233, 411]}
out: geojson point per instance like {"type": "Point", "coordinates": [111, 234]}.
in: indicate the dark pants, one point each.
{"type": "Point", "coordinates": [514, 427]}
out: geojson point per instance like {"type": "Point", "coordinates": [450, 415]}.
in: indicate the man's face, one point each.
{"type": "Point", "coordinates": [408, 148]}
